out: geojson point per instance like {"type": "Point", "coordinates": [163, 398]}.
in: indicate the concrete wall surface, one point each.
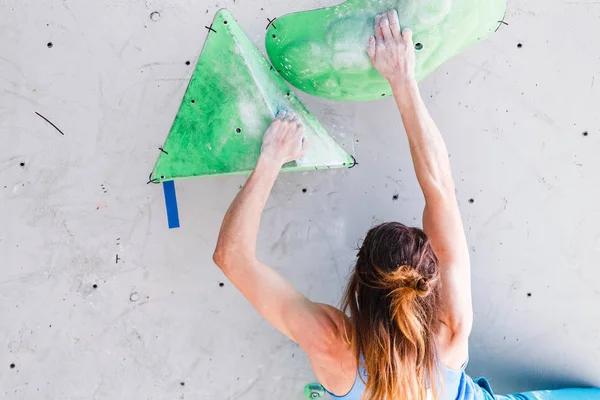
{"type": "Point", "coordinates": [99, 300]}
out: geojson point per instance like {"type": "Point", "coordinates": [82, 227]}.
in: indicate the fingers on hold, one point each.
{"type": "Point", "coordinates": [377, 19]}
{"type": "Point", "coordinates": [290, 117]}
{"type": "Point", "coordinates": [281, 115]}
{"type": "Point", "coordinates": [394, 23]}
{"type": "Point", "coordinates": [385, 27]}
{"type": "Point", "coordinates": [393, 17]}
{"type": "Point", "coordinates": [378, 31]}
{"type": "Point", "coordinates": [371, 48]}
{"type": "Point", "coordinates": [407, 35]}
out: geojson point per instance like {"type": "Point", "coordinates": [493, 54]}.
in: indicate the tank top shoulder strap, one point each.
{"type": "Point", "coordinates": [357, 389]}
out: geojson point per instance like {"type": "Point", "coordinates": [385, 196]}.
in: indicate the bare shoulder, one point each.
{"type": "Point", "coordinates": [334, 363]}
{"type": "Point", "coordinates": [340, 319]}
{"type": "Point", "coordinates": [334, 325]}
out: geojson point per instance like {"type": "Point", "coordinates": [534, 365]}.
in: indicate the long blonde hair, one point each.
{"type": "Point", "coordinates": [393, 299]}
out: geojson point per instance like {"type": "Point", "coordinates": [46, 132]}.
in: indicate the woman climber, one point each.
{"type": "Point", "coordinates": [403, 329]}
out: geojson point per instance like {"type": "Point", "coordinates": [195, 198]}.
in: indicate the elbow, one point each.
{"type": "Point", "coordinates": [228, 257]}
{"type": "Point", "coordinates": [222, 258]}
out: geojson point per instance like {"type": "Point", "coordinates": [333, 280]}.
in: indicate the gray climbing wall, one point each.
{"type": "Point", "coordinates": [99, 300]}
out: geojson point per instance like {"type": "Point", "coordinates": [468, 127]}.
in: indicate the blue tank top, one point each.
{"type": "Point", "coordinates": [457, 385]}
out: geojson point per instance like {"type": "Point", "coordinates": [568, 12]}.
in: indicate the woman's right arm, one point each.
{"type": "Point", "coordinates": [392, 53]}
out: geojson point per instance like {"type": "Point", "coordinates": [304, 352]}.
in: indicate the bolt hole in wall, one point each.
{"type": "Point", "coordinates": [419, 46]}
{"type": "Point", "coordinates": [155, 16]}
{"type": "Point", "coordinates": [50, 44]}
{"type": "Point", "coordinates": [585, 133]}
{"type": "Point", "coordinates": [187, 63]}
{"type": "Point", "coordinates": [471, 201]}
{"type": "Point", "coordinates": [221, 284]}
{"type": "Point", "coordinates": [238, 130]}
{"type": "Point", "coordinates": [12, 366]}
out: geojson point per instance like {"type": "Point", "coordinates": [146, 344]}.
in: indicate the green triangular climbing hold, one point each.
{"type": "Point", "coordinates": [323, 52]}
{"type": "Point", "coordinates": [230, 101]}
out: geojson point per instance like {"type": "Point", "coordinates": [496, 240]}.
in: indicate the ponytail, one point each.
{"type": "Point", "coordinates": [393, 301]}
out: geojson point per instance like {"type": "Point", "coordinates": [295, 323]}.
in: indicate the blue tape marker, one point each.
{"type": "Point", "coordinates": [171, 204]}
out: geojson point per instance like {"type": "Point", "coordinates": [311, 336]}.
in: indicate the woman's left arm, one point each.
{"type": "Point", "coordinates": [309, 324]}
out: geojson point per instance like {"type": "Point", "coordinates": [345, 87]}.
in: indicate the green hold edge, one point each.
{"type": "Point", "coordinates": [230, 101]}
{"type": "Point", "coordinates": [323, 52]}
{"type": "Point", "coordinates": [314, 391]}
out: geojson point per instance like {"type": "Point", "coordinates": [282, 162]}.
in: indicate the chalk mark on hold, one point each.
{"type": "Point", "coordinates": [48, 121]}
{"type": "Point", "coordinates": [163, 150]}
{"type": "Point", "coordinates": [210, 28]}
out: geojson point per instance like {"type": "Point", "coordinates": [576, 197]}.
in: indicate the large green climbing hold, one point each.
{"type": "Point", "coordinates": [323, 52]}
{"type": "Point", "coordinates": [230, 101]}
